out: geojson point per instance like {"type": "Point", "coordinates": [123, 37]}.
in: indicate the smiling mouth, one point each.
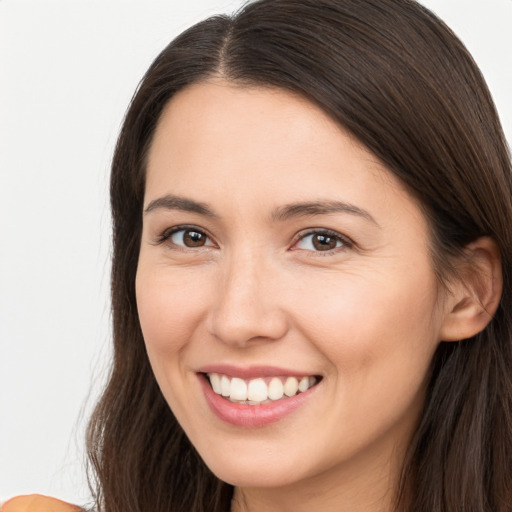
{"type": "Point", "coordinates": [259, 391]}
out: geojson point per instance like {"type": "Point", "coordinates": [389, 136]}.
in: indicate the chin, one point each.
{"type": "Point", "coordinates": [249, 475]}
{"type": "Point", "coordinates": [255, 467]}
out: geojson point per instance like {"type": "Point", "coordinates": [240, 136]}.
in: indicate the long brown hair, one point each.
{"type": "Point", "coordinates": [398, 79]}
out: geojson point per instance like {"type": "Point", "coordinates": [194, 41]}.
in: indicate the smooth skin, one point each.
{"type": "Point", "coordinates": [342, 288]}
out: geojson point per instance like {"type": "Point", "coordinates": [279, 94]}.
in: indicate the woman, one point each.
{"type": "Point", "coordinates": [312, 271]}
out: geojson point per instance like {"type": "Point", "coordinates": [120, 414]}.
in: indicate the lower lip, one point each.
{"type": "Point", "coordinates": [251, 416]}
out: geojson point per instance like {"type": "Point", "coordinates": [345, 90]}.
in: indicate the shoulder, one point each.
{"type": "Point", "coordinates": [37, 503]}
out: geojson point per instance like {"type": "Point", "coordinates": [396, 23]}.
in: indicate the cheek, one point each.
{"type": "Point", "coordinates": [379, 337]}
{"type": "Point", "coordinates": [377, 328]}
{"type": "Point", "coordinates": [169, 309]}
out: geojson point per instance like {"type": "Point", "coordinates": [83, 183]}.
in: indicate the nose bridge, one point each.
{"type": "Point", "coordinates": [246, 306]}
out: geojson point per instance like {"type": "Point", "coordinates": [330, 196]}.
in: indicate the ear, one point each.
{"type": "Point", "coordinates": [474, 296]}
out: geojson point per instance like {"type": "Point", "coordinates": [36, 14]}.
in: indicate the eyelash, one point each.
{"type": "Point", "coordinates": [168, 233]}
{"type": "Point", "coordinates": [346, 243]}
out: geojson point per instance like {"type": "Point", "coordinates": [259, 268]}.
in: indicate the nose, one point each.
{"type": "Point", "coordinates": [246, 307]}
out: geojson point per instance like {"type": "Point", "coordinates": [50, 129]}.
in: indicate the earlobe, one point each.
{"type": "Point", "coordinates": [475, 297]}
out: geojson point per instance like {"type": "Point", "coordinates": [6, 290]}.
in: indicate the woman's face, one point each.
{"type": "Point", "coordinates": [276, 252]}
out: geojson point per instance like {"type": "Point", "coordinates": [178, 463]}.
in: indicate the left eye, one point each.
{"type": "Point", "coordinates": [320, 242]}
{"type": "Point", "coordinates": [189, 238]}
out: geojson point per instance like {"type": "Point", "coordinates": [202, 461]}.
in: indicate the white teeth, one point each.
{"type": "Point", "coordinates": [238, 389]}
{"type": "Point", "coordinates": [291, 386]}
{"type": "Point", "coordinates": [304, 384]}
{"type": "Point", "coordinates": [225, 386]}
{"type": "Point", "coordinates": [215, 381]}
{"type": "Point", "coordinates": [275, 389]}
{"type": "Point", "coordinates": [259, 391]}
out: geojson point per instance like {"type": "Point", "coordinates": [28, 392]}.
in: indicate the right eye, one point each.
{"type": "Point", "coordinates": [188, 237]}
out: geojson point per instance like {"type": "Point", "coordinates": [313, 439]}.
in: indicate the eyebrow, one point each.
{"type": "Point", "coordinates": [171, 202]}
{"type": "Point", "coordinates": [280, 214]}
{"type": "Point", "coordinates": [311, 208]}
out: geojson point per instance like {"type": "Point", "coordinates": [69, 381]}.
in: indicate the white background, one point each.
{"type": "Point", "coordinates": [68, 69]}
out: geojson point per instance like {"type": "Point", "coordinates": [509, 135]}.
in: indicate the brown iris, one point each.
{"type": "Point", "coordinates": [324, 242]}
{"type": "Point", "coordinates": [194, 238]}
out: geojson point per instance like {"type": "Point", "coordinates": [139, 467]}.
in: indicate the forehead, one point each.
{"type": "Point", "coordinates": [261, 146]}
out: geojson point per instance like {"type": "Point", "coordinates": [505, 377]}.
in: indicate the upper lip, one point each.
{"type": "Point", "coordinates": [252, 372]}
